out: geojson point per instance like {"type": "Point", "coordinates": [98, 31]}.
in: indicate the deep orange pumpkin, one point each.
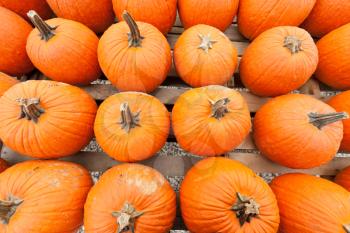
{"type": "Point", "coordinates": [257, 16]}
{"type": "Point", "coordinates": [130, 198]}
{"type": "Point", "coordinates": [132, 126]}
{"type": "Point", "coordinates": [46, 119]}
{"type": "Point", "coordinates": [279, 61]}
{"type": "Point", "coordinates": [13, 38]}
{"type": "Point", "coordinates": [64, 50]}
{"type": "Point", "coordinates": [204, 56]}
{"type": "Point", "coordinates": [298, 131]}
{"type": "Point", "coordinates": [343, 178]}
{"type": "Point", "coordinates": [6, 82]}
{"type": "Point", "coordinates": [211, 120]}
{"type": "Point", "coordinates": [22, 7]}
{"type": "Point", "coordinates": [43, 197]}
{"type": "Point", "coordinates": [3, 165]}
{"type": "Point", "coordinates": [134, 56]}
{"type": "Point", "coordinates": [309, 204]}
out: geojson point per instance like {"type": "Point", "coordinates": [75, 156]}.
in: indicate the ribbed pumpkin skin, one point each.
{"type": "Point", "coordinates": [63, 129]}
{"type": "Point", "coordinates": [284, 134]}
{"type": "Point", "coordinates": [22, 7]}
{"type": "Point", "coordinates": [334, 66]}
{"type": "Point", "coordinates": [208, 193]}
{"type": "Point", "coordinates": [343, 178]}
{"type": "Point", "coordinates": [6, 82]}
{"type": "Point", "coordinates": [152, 132]}
{"type": "Point", "coordinates": [97, 15]}
{"type": "Point", "coordinates": [256, 16]}
{"type": "Point", "coordinates": [13, 33]}
{"type": "Point", "coordinates": [70, 56]}
{"type": "Point", "coordinates": [200, 68]}
{"type": "Point", "coordinates": [142, 187]}
{"type": "Point", "coordinates": [198, 132]}
{"type": "Point", "coordinates": [53, 194]}
{"type": "Point", "coordinates": [216, 13]}
{"type": "Point", "coordinates": [309, 204]}
{"type": "Point", "coordinates": [3, 165]}
{"type": "Point", "coordinates": [326, 16]}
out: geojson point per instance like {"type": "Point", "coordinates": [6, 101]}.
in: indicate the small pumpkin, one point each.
{"type": "Point", "coordinates": [22, 7]}
{"type": "Point", "coordinates": [6, 82]}
{"type": "Point", "coordinates": [46, 119]}
{"type": "Point", "coordinates": [298, 131]}
{"type": "Point", "coordinates": [13, 38]}
{"type": "Point", "coordinates": [130, 198]}
{"type": "Point", "coordinates": [63, 50]}
{"type": "Point", "coordinates": [257, 16]}
{"type": "Point", "coordinates": [216, 13]}
{"type": "Point", "coordinates": [310, 204]}
{"type": "Point", "coordinates": [127, 120]}
{"type": "Point", "coordinates": [278, 61]}
{"type": "Point", "coordinates": [204, 56]}
{"type": "Point", "coordinates": [43, 197]}
{"type": "Point", "coordinates": [134, 56]}
{"type": "Point", "coordinates": [3, 165]}
{"type": "Point", "coordinates": [211, 120]}
{"type": "Point", "coordinates": [343, 178]}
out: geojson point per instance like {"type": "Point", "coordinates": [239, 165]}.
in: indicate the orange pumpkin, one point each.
{"type": "Point", "coordinates": [279, 61]}
{"type": "Point", "coordinates": [130, 119]}
{"type": "Point", "coordinates": [22, 7]}
{"type": "Point", "coordinates": [309, 204]}
{"type": "Point", "coordinates": [134, 56]}
{"type": "Point", "coordinates": [64, 50]}
{"type": "Point", "coordinates": [257, 16]}
{"type": "Point", "coordinates": [334, 66]}
{"type": "Point", "coordinates": [204, 56]}
{"type": "Point", "coordinates": [97, 15]}
{"type": "Point", "coordinates": [211, 120]}
{"type": "Point", "coordinates": [6, 82]}
{"type": "Point", "coordinates": [43, 197]}
{"type": "Point", "coordinates": [3, 164]}
{"type": "Point", "coordinates": [13, 38]}
{"type": "Point", "coordinates": [343, 178]}
{"type": "Point", "coordinates": [216, 13]}
{"type": "Point", "coordinates": [222, 195]}
{"type": "Point", "coordinates": [46, 119]}
{"type": "Point", "coordinates": [298, 131]}
{"type": "Point", "coordinates": [130, 198]}
{"type": "Point", "coordinates": [159, 13]}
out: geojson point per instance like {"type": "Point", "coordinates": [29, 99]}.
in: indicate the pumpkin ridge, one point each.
{"type": "Point", "coordinates": [321, 120]}
{"type": "Point", "coordinates": [46, 31]}
{"type": "Point", "coordinates": [8, 209]}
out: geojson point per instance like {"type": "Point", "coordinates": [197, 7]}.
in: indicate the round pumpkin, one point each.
{"type": "Point", "coordinates": [43, 197]}
{"type": "Point", "coordinates": [309, 204]}
{"type": "Point", "coordinates": [343, 178]}
{"type": "Point", "coordinates": [211, 120]}
{"type": "Point", "coordinates": [97, 15]}
{"type": "Point", "coordinates": [334, 65]}
{"type": "Point", "coordinates": [222, 195]}
{"type": "Point", "coordinates": [130, 198]}
{"type": "Point", "coordinates": [13, 38]}
{"type": "Point", "coordinates": [257, 16]}
{"type": "Point", "coordinates": [298, 131]}
{"type": "Point", "coordinates": [278, 61]}
{"type": "Point", "coordinates": [46, 119]}
{"type": "Point", "coordinates": [22, 7]}
{"type": "Point", "coordinates": [63, 50]}
{"type": "Point", "coordinates": [127, 120]}
{"type": "Point", "coordinates": [204, 56]}
{"type": "Point", "coordinates": [3, 165]}
{"type": "Point", "coordinates": [6, 82]}
{"type": "Point", "coordinates": [159, 13]}
{"type": "Point", "coordinates": [134, 56]}
{"type": "Point", "coordinates": [216, 13]}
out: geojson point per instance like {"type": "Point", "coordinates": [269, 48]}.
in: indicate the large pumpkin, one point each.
{"type": "Point", "coordinates": [43, 197]}
{"type": "Point", "coordinates": [13, 38]}
{"type": "Point", "coordinates": [6, 82]}
{"type": "Point", "coordinates": [298, 131]}
{"type": "Point", "coordinates": [222, 195]}
{"type": "Point", "coordinates": [132, 126]}
{"type": "Point", "coordinates": [97, 15]}
{"type": "Point", "coordinates": [3, 165]}
{"type": "Point", "coordinates": [204, 56]}
{"type": "Point", "coordinates": [279, 61]}
{"type": "Point", "coordinates": [216, 13]}
{"type": "Point", "coordinates": [257, 16]}
{"type": "Point", "coordinates": [211, 120]}
{"type": "Point", "coordinates": [309, 204]}
{"type": "Point", "coordinates": [334, 51]}
{"type": "Point", "coordinates": [64, 50]}
{"type": "Point", "coordinates": [343, 178]}
{"type": "Point", "coordinates": [22, 7]}
{"type": "Point", "coordinates": [130, 198]}
{"type": "Point", "coordinates": [134, 56]}
{"type": "Point", "coordinates": [46, 119]}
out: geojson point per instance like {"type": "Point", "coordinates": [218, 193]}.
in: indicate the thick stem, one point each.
{"type": "Point", "coordinates": [30, 109]}
{"type": "Point", "coordinates": [219, 108]}
{"type": "Point", "coordinates": [206, 42]}
{"type": "Point", "coordinates": [128, 120]}
{"type": "Point", "coordinates": [7, 209]}
{"type": "Point", "coordinates": [321, 120]}
{"type": "Point", "coordinates": [135, 37]}
{"type": "Point", "coordinates": [246, 208]}
{"type": "Point", "coordinates": [46, 31]}
{"type": "Point", "coordinates": [346, 228]}
{"type": "Point", "coordinates": [293, 44]}
{"type": "Point", "coordinates": [126, 218]}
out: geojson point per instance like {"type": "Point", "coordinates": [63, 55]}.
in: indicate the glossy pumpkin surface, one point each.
{"type": "Point", "coordinates": [22, 7]}
{"type": "Point", "coordinates": [343, 178]}
{"type": "Point", "coordinates": [6, 82]}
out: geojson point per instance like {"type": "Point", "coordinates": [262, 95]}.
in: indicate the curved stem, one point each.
{"type": "Point", "coordinates": [128, 119]}
{"type": "Point", "coordinates": [346, 228]}
{"type": "Point", "coordinates": [219, 108]}
{"type": "Point", "coordinates": [206, 42]}
{"type": "Point", "coordinates": [293, 44]}
{"type": "Point", "coordinates": [321, 120]}
{"type": "Point", "coordinates": [46, 31]}
{"type": "Point", "coordinates": [135, 37]}
{"type": "Point", "coordinates": [8, 208]}
{"type": "Point", "coordinates": [246, 208]}
{"type": "Point", "coordinates": [126, 218]}
{"type": "Point", "coordinates": [30, 109]}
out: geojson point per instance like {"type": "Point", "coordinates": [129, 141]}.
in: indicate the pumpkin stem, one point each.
{"type": "Point", "coordinates": [30, 109]}
{"type": "Point", "coordinates": [246, 208]}
{"type": "Point", "coordinates": [46, 31]}
{"type": "Point", "coordinates": [293, 44]}
{"type": "Point", "coordinates": [128, 119]}
{"type": "Point", "coordinates": [135, 37]}
{"type": "Point", "coordinates": [219, 108]}
{"type": "Point", "coordinates": [321, 120]}
{"type": "Point", "coordinates": [126, 218]}
{"type": "Point", "coordinates": [206, 43]}
{"type": "Point", "coordinates": [8, 208]}
{"type": "Point", "coordinates": [346, 228]}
